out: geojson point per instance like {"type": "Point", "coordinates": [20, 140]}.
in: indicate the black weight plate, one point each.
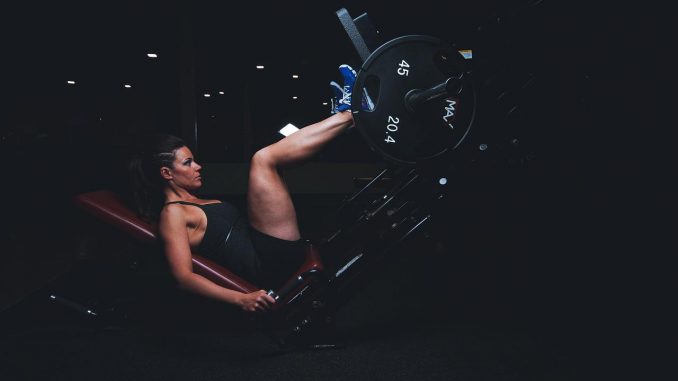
{"type": "Point", "coordinates": [434, 127]}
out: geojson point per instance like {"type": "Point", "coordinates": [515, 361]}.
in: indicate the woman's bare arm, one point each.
{"type": "Point", "coordinates": [174, 235]}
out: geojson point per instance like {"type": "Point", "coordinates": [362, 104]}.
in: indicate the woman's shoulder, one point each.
{"type": "Point", "coordinates": [171, 212]}
{"type": "Point", "coordinates": [184, 209]}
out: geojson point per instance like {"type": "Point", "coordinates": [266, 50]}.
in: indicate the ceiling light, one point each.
{"type": "Point", "coordinates": [324, 103]}
{"type": "Point", "coordinates": [221, 93]}
{"type": "Point", "coordinates": [127, 86]}
{"type": "Point", "coordinates": [295, 76]}
{"type": "Point", "coordinates": [71, 82]}
{"type": "Point", "coordinates": [207, 95]}
{"type": "Point", "coordinates": [260, 67]}
{"type": "Point", "coordinates": [467, 53]}
{"type": "Point", "coordinates": [294, 97]}
{"type": "Point", "coordinates": [289, 129]}
{"type": "Point", "coordinates": [152, 55]}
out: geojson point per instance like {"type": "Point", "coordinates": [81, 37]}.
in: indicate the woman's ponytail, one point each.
{"type": "Point", "coordinates": [144, 171]}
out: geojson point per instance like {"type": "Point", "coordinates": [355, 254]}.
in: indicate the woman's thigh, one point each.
{"type": "Point", "coordinates": [269, 204]}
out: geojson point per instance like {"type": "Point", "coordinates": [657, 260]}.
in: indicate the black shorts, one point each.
{"type": "Point", "coordinates": [279, 259]}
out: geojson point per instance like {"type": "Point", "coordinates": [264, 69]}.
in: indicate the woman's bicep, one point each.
{"type": "Point", "coordinates": [174, 236]}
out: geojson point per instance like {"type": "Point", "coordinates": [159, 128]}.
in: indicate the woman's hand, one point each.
{"type": "Point", "coordinates": [256, 301]}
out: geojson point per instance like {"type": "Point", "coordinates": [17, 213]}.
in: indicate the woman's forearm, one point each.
{"type": "Point", "coordinates": [200, 285]}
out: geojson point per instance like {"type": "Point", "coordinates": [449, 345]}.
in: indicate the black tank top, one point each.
{"type": "Point", "coordinates": [227, 240]}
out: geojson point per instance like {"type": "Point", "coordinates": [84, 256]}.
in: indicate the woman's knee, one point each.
{"type": "Point", "coordinates": [264, 157]}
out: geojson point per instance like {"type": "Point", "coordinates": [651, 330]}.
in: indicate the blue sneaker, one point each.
{"type": "Point", "coordinates": [343, 103]}
{"type": "Point", "coordinates": [349, 76]}
{"type": "Point", "coordinates": [338, 96]}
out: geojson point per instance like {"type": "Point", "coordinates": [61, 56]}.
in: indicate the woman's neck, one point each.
{"type": "Point", "coordinates": [178, 194]}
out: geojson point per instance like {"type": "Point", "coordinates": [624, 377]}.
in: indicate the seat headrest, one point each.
{"type": "Point", "coordinates": [108, 206]}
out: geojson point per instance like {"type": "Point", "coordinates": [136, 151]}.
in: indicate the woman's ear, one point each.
{"type": "Point", "coordinates": [166, 173]}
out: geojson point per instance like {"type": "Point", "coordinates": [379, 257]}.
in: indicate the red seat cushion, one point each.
{"type": "Point", "coordinates": [108, 207]}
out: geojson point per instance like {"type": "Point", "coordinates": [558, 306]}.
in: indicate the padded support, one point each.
{"type": "Point", "coordinates": [108, 207]}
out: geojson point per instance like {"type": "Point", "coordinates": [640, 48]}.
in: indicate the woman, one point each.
{"type": "Point", "coordinates": [266, 248]}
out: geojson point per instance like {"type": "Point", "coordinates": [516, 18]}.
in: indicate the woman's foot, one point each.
{"type": "Point", "coordinates": [337, 100]}
{"type": "Point", "coordinates": [342, 95]}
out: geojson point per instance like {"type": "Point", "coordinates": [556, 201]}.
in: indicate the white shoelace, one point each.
{"type": "Point", "coordinates": [346, 99]}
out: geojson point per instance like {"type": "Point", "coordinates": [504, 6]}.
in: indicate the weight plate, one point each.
{"type": "Point", "coordinates": [396, 131]}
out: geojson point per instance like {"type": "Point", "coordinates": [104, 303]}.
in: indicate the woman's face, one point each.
{"type": "Point", "coordinates": [185, 172]}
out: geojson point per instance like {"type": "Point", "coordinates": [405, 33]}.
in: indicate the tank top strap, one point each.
{"type": "Point", "coordinates": [183, 203]}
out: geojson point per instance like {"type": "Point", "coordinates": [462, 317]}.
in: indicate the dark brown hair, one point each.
{"type": "Point", "coordinates": [157, 151]}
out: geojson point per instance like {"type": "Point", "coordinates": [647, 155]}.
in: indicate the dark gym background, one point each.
{"type": "Point", "coordinates": [535, 268]}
